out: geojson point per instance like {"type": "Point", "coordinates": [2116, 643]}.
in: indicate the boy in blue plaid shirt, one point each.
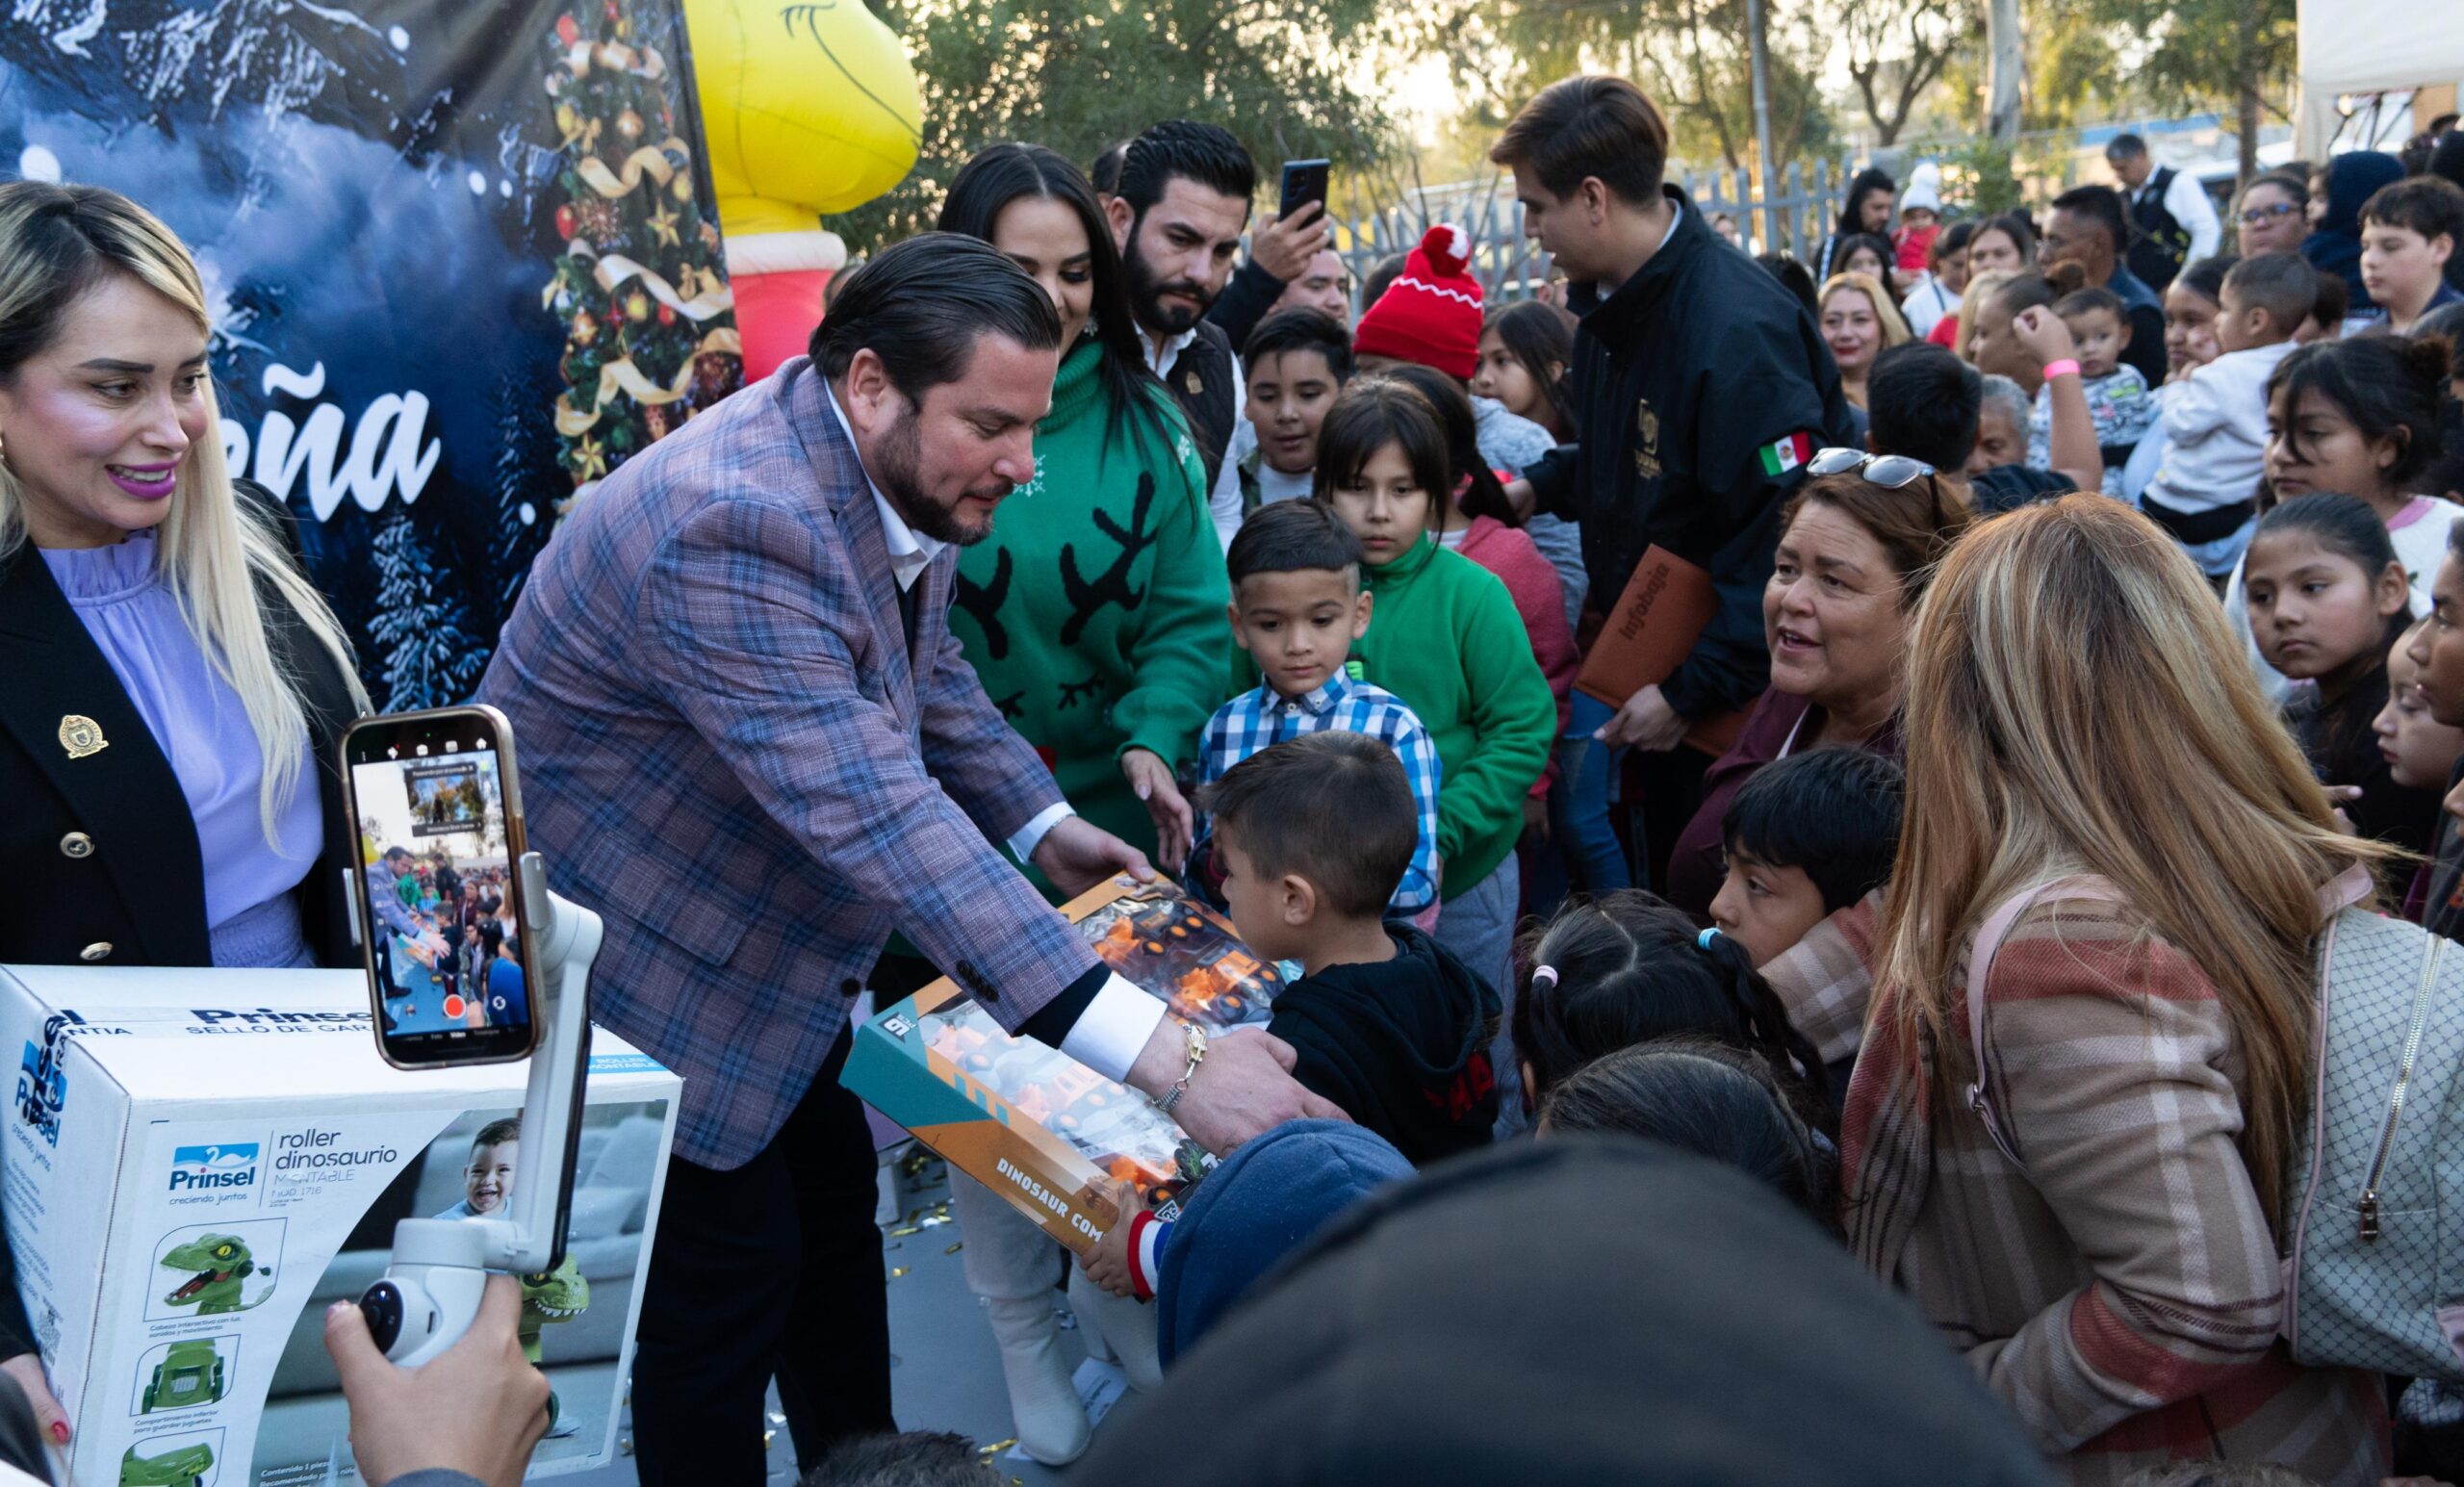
{"type": "Point", "coordinates": [1298, 605]}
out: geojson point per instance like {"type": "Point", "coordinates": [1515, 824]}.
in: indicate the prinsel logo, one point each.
{"type": "Point", "coordinates": [205, 1169]}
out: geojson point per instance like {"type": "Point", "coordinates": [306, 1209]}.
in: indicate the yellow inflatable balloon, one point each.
{"type": "Point", "coordinates": [809, 109]}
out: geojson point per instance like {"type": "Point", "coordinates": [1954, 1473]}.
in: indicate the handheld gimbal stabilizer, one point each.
{"type": "Point", "coordinates": [431, 1290]}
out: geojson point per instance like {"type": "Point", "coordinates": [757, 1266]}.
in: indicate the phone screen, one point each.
{"type": "Point", "coordinates": [441, 907]}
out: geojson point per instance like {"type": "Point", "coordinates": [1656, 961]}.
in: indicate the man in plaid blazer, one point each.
{"type": "Point", "coordinates": [749, 741]}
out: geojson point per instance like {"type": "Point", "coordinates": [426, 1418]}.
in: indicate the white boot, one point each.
{"type": "Point", "coordinates": [1010, 1267]}
{"type": "Point", "coordinates": [1043, 1406]}
{"type": "Point", "coordinates": [1118, 1331]}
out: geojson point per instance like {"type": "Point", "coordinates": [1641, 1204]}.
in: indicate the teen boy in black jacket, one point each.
{"type": "Point", "coordinates": [1700, 389]}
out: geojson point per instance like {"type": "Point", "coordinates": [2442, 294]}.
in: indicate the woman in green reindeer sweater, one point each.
{"type": "Point", "coordinates": [1095, 616]}
{"type": "Point", "coordinates": [1095, 612]}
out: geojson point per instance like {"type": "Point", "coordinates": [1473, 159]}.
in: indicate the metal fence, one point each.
{"type": "Point", "coordinates": [1510, 267]}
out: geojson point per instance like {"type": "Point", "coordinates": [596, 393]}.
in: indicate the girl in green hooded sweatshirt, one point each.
{"type": "Point", "coordinates": [1443, 635]}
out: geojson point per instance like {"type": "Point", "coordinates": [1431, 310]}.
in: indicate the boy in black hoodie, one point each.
{"type": "Point", "coordinates": [1313, 835]}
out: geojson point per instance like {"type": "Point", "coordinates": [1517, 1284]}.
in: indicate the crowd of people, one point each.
{"type": "Point", "coordinates": [2081, 631]}
{"type": "Point", "coordinates": [1921, 405]}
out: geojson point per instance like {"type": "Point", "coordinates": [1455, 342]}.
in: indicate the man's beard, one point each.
{"type": "Point", "coordinates": [900, 462]}
{"type": "Point", "coordinates": [1146, 295]}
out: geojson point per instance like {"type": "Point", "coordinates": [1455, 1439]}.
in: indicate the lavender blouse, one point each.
{"type": "Point", "coordinates": [197, 721]}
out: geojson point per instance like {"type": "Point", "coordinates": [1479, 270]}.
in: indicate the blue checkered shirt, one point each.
{"type": "Point", "coordinates": [1256, 721]}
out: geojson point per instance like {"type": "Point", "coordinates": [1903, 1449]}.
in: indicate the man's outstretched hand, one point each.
{"type": "Point", "coordinates": [478, 1408]}
{"type": "Point", "coordinates": [1077, 855]}
{"type": "Point", "coordinates": [1243, 1090]}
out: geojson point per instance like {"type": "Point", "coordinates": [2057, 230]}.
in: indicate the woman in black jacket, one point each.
{"type": "Point", "coordinates": [170, 684]}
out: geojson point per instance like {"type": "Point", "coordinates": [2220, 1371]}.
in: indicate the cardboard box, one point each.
{"type": "Point", "coordinates": [199, 1162]}
{"type": "Point", "coordinates": [1034, 1124]}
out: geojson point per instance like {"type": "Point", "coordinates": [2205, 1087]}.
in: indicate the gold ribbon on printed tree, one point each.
{"type": "Point", "coordinates": [623, 376]}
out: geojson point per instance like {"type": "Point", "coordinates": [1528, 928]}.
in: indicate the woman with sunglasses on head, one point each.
{"type": "Point", "coordinates": [1857, 545]}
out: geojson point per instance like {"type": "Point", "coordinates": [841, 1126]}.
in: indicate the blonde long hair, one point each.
{"type": "Point", "coordinates": [56, 243]}
{"type": "Point", "coordinates": [1980, 287]}
{"type": "Point", "coordinates": [2076, 703]}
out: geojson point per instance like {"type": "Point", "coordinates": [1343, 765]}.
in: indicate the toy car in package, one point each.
{"type": "Point", "coordinates": [1029, 1121]}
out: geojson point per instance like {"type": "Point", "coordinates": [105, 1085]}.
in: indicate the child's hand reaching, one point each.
{"type": "Point", "coordinates": [1106, 1264]}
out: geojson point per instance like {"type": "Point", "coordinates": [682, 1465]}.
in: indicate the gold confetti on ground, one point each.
{"type": "Point", "coordinates": [897, 1273]}
{"type": "Point", "coordinates": [904, 1230]}
{"type": "Point", "coordinates": [623, 1445]}
{"type": "Point", "coordinates": [955, 1248]}
{"type": "Point", "coordinates": [996, 1447]}
{"type": "Point", "coordinates": [768, 1436]}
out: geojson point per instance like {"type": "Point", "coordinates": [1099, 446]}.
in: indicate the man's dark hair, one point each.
{"type": "Point", "coordinates": [1292, 536]}
{"type": "Point", "coordinates": [1204, 153]}
{"type": "Point", "coordinates": [2125, 146]}
{"type": "Point", "coordinates": [2282, 284]}
{"type": "Point", "coordinates": [919, 306]}
{"type": "Point", "coordinates": [1831, 813]}
{"type": "Point", "coordinates": [1924, 402]}
{"type": "Point", "coordinates": [1382, 275]}
{"type": "Point", "coordinates": [1333, 808]}
{"type": "Point", "coordinates": [916, 1458]}
{"type": "Point", "coordinates": [1105, 173]}
{"type": "Point", "coordinates": [2426, 204]}
{"type": "Point", "coordinates": [1589, 126]}
{"type": "Point", "coordinates": [2102, 204]}
{"type": "Point", "coordinates": [1300, 330]}
{"type": "Point", "coordinates": [393, 853]}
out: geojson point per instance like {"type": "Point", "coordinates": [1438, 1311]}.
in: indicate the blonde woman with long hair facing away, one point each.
{"type": "Point", "coordinates": [2080, 726]}
{"type": "Point", "coordinates": [170, 684]}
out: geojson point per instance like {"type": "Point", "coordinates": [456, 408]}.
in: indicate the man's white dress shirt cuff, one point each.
{"type": "Point", "coordinates": [1112, 1030]}
{"type": "Point", "coordinates": [1027, 838]}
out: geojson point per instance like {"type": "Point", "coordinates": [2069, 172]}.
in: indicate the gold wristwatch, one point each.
{"type": "Point", "coordinates": [1197, 1041]}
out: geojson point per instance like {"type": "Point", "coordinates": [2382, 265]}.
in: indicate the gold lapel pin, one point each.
{"type": "Point", "coordinates": [1193, 383]}
{"type": "Point", "coordinates": [81, 736]}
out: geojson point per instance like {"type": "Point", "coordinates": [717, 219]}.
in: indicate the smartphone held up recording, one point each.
{"type": "Point", "coordinates": [445, 931]}
{"type": "Point", "coordinates": [1304, 181]}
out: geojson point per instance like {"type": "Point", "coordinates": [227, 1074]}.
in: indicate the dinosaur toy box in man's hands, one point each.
{"type": "Point", "coordinates": [1030, 1123]}
{"type": "Point", "coordinates": [197, 1164]}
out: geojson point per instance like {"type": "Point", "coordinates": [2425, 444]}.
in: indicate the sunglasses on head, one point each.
{"type": "Point", "coordinates": [1891, 471]}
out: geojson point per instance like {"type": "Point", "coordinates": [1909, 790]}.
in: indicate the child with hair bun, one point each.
{"type": "Point", "coordinates": [1609, 973]}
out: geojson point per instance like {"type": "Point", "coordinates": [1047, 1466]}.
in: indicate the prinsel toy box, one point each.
{"type": "Point", "coordinates": [1034, 1124]}
{"type": "Point", "coordinates": [198, 1162]}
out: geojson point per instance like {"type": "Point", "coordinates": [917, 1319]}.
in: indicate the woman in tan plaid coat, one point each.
{"type": "Point", "coordinates": [2079, 716]}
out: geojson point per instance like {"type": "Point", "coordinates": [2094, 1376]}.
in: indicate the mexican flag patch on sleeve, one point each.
{"type": "Point", "coordinates": [1777, 460]}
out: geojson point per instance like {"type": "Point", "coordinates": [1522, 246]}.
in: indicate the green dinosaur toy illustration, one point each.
{"type": "Point", "coordinates": [191, 1372]}
{"type": "Point", "coordinates": [216, 1264]}
{"type": "Point", "coordinates": [560, 1295]}
{"type": "Point", "coordinates": [182, 1466]}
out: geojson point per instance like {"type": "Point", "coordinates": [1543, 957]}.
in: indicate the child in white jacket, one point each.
{"type": "Point", "coordinates": [2216, 420]}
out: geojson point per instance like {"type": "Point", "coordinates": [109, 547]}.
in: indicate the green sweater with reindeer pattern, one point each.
{"type": "Point", "coordinates": [1094, 613]}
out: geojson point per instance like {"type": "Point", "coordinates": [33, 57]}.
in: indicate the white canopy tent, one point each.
{"type": "Point", "coordinates": [2371, 47]}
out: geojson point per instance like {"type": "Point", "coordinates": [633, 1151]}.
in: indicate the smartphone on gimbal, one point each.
{"type": "Point", "coordinates": [445, 932]}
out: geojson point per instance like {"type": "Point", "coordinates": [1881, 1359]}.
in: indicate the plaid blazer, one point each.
{"type": "Point", "coordinates": [730, 751]}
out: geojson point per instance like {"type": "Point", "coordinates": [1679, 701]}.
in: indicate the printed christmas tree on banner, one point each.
{"type": "Point", "coordinates": [650, 332]}
{"type": "Point", "coordinates": [431, 658]}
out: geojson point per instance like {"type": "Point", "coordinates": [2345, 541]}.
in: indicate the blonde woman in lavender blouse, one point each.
{"type": "Point", "coordinates": [170, 684]}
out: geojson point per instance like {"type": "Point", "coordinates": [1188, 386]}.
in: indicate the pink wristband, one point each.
{"type": "Point", "coordinates": [2061, 368]}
